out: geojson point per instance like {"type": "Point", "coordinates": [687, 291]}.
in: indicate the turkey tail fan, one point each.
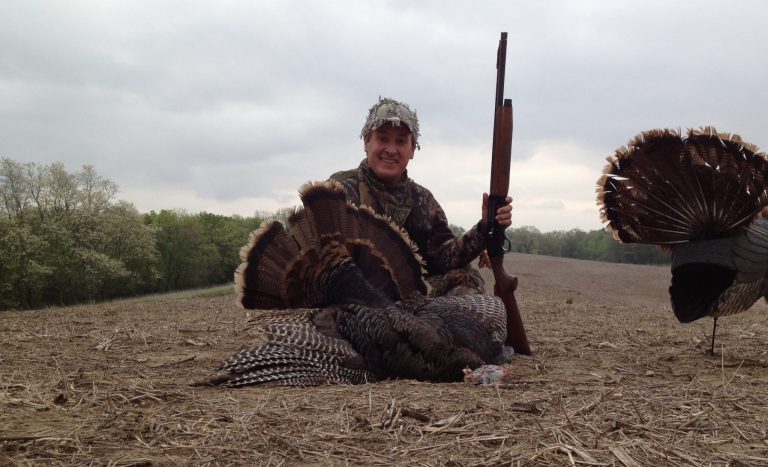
{"type": "Point", "coordinates": [261, 276]}
{"type": "Point", "coordinates": [325, 204]}
{"type": "Point", "coordinates": [351, 227]}
{"type": "Point", "coordinates": [385, 247]}
{"type": "Point", "coordinates": [305, 265]}
{"type": "Point", "coordinates": [700, 195]}
{"type": "Point", "coordinates": [663, 188]}
{"type": "Point", "coordinates": [302, 230]}
{"type": "Point", "coordinates": [381, 249]}
{"type": "Point", "coordinates": [277, 271]}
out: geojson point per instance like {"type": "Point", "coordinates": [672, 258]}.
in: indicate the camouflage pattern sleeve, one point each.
{"type": "Point", "coordinates": [349, 180]}
{"type": "Point", "coordinates": [444, 250]}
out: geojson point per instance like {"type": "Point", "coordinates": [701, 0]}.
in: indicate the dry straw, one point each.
{"type": "Point", "coordinates": [615, 381]}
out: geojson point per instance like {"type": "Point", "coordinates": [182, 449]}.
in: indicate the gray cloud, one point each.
{"type": "Point", "coordinates": [240, 101]}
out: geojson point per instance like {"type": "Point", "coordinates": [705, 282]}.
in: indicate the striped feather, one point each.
{"type": "Point", "coordinates": [298, 376]}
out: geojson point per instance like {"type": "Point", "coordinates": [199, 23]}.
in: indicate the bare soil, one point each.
{"type": "Point", "coordinates": [615, 380]}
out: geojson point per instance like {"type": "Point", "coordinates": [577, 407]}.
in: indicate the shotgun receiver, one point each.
{"type": "Point", "coordinates": [505, 285]}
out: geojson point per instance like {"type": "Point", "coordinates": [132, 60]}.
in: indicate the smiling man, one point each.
{"type": "Point", "coordinates": [390, 138]}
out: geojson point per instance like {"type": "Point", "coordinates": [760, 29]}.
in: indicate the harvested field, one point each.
{"type": "Point", "coordinates": [615, 380]}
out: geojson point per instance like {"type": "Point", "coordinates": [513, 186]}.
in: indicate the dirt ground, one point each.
{"type": "Point", "coordinates": [615, 380]}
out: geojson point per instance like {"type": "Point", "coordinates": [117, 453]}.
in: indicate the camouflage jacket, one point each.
{"type": "Point", "coordinates": [414, 208]}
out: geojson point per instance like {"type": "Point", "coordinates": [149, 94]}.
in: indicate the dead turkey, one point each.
{"type": "Point", "coordinates": [339, 297]}
{"type": "Point", "coordinates": [700, 195]}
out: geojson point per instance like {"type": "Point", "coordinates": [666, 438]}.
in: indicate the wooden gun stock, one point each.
{"type": "Point", "coordinates": [505, 285]}
{"type": "Point", "coordinates": [504, 288]}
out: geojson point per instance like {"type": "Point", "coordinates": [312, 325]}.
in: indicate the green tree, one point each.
{"type": "Point", "coordinates": [184, 251]}
{"type": "Point", "coordinates": [23, 270]}
{"type": "Point", "coordinates": [595, 245]}
{"type": "Point", "coordinates": [131, 243]}
{"type": "Point", "coordinates": [63, 240]}
{"type": "Point", "coordinates": [524, 239]}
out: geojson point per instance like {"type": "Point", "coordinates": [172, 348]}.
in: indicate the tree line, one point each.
{"type": "Point", "coordinates": [598, 245]}
{"type": "Point", "coordinates": [64, 239]}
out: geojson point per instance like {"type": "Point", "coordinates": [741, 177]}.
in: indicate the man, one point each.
{"type": "Point", "coordinates": [390, 137]}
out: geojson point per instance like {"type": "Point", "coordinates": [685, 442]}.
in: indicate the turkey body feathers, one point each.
{"type": "Point", "coordinates": [434, 341]}
{"type": "Point", "coordinates": [700, 195]}
{"type": "Point", "coordinates": [339, 297]}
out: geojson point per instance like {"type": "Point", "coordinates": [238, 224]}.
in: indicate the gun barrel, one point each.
{"type": "Point", "coordinates": [501, 65]}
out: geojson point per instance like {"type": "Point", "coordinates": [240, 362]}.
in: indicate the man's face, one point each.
{"type": "Point", "coordinates": [389, 149]}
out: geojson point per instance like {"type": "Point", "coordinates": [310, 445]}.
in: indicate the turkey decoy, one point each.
{"type": "Point", "coordinates": [699, 195]}
{"type": "Point", "coordinates": [339, 297]}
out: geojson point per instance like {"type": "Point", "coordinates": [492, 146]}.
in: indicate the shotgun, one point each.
{"type": "Point", "coordinates": [505, 285]}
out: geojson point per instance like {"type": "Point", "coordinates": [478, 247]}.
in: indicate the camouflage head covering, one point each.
{"type": "Point", "coordinates": [391, 111]}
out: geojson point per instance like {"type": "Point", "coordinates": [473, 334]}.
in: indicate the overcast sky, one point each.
{"type": "Point", "coordinates": [229, 106]}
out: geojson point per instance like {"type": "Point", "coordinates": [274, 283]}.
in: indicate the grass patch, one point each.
{"type": "Point", "coordinates": [214, 292]}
